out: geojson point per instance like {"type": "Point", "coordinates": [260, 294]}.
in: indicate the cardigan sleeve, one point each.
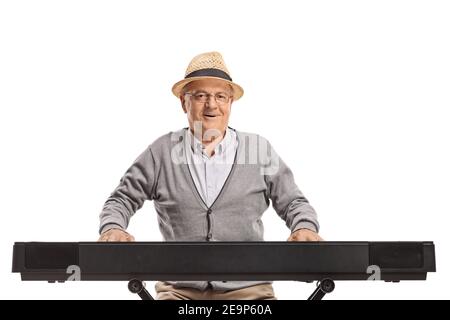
{"type": "Point", "coordinates": [287, 199]}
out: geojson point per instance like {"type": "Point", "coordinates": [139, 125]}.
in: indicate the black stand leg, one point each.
{"type": "Point", "coordinates": [323, 287]}
{"type": "Point", "coordinates": [137, 286]}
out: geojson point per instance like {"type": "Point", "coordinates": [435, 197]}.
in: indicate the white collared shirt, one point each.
{"type": "Point", "coordinates": [210, 173]}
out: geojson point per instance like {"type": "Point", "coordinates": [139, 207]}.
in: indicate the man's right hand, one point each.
{"type": "Point", "coordinates": [116, 235]}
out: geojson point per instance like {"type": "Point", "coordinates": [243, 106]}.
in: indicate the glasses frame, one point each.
{"type": "Point", "coordinates": [209, 95]}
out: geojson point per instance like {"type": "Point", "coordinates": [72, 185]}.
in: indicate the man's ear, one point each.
{"type": "Point", "coordinates": [183, 100]}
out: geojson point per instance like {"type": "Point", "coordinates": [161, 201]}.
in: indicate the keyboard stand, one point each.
{"type": "Point", "coordinates": [137, 286]}
{"type": "Point", "coordinates": [324, 286]}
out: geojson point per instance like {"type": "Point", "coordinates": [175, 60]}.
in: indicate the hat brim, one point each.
{"type": "Point", "coordinates": [177, 88]}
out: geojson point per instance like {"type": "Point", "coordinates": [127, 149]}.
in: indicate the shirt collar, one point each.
{"type": "Point", "coordinates": [196, 144]}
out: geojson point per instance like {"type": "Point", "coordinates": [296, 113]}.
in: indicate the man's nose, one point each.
{"type": "Point", "coordinates": [211, 102]}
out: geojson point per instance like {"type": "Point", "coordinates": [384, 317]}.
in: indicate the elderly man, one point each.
{"type": "Point", "coordinates": [209, 182]}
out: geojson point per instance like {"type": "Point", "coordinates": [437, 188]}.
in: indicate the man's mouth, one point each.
{"type": "Point", "coordinates": [210, 115]}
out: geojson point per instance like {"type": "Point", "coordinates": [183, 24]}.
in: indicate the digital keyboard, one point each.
{"type": "Point", "coordinates": [207, 261]}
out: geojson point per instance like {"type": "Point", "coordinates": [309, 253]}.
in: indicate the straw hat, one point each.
{"type": "Point", "coordinates": [209, 65]}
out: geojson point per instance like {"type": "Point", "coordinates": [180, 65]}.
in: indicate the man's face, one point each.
{"type": "Point", "coordinates": [208, 102]}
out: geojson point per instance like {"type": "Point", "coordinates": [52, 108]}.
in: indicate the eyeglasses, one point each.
{"type": "Point", "coordinates": [202, 97]}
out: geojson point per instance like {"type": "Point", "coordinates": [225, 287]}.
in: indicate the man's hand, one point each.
{"type": "Point", "coordinates": [304, 235]}
{"type": "Point", "coordinates": [116, 235]}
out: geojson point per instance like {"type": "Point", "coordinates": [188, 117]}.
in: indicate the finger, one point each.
{"type": "Point", "coordinates": [298, 238]}
{"type": "Point", "coordinates": [104, 237]}
{"type": "Point", "coordinates": [308, 238]}
{"type": "Point", "coordinates": [113, 237]}
{"type": "Point", "coordinates": [302, 237]}
{"type": "Point", "coordinates": [123, 238]}
{"type": "Point", "coordinates": [313, 238]}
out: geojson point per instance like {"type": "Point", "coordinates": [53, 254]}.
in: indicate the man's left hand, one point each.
{"type": "Point", "coordinates": [304, 235]}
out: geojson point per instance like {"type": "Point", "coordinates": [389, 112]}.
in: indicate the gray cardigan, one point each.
{"type": "Point", "coordinates": [161, 173]}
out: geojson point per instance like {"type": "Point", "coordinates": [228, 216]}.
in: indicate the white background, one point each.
{"type": "Point", "coordinates": [354, 96]}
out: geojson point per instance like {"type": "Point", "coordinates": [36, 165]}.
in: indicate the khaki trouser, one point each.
{"type": "Point", "coordinates": [166, 291]}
